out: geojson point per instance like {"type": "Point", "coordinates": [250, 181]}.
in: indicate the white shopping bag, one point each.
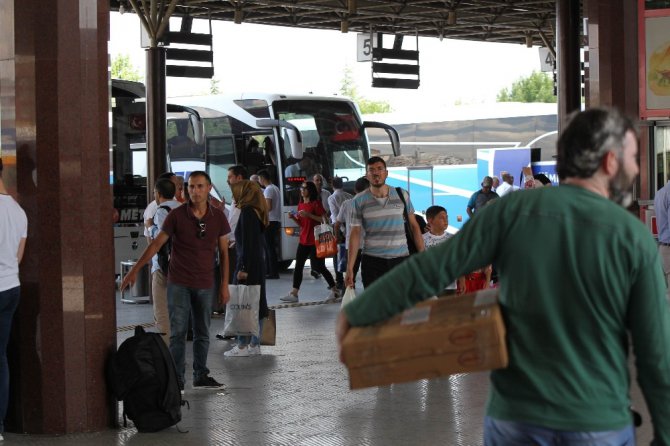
{"type": "Point", "coordinates": [242, 311]}
{"type": "Point", "coordinates": [349, 295]}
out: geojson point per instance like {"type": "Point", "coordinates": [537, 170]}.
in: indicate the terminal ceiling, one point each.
{"type": "Point", "coordinates": [505, 21]}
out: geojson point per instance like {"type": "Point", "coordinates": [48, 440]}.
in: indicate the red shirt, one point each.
{"type": "Point", "coordinates": [192, 258]}
{"type": "Point", "coordinates": [307, 224]}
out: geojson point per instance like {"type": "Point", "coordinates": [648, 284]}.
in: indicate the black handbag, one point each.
{"type": "Point", "coordinates": [409, 235]}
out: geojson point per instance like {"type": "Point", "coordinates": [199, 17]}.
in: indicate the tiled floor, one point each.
{"type": "Point", "coordinates": [297, 393]}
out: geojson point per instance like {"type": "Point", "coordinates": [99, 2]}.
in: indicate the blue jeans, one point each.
{"type": "Point", "coordinates": [243, 341]}
{"type": "Point", "coordinates": [183, 301]}
{"type": "Point", "coordinates": [9, 300]}
{"type": "Point", "coordinates": [510, 433]}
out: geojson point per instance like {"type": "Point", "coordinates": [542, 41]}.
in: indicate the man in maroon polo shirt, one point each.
{"type": "Point", "coordinates": [195, 230]}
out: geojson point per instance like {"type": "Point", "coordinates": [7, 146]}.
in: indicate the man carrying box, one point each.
{"type": "Point", "coordinates": [568, 307]}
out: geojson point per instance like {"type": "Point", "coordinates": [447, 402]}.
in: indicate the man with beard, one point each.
{"type": "Point", "coordinates": [570, 314]}
{"type": "Point", "coordinates": [379, 211]}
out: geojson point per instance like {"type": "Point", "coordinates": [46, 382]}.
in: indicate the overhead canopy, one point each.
{"type": "Point", "coordinates": [507, 21]}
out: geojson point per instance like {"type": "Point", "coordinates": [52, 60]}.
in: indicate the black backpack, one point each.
{"type": "Point", "coordinates": [142, 374]}
{"type": "Point", "coordinates": [165, 251]}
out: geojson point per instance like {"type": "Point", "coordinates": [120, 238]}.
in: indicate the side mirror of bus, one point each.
{"type": "Point", "coordinates": [294, 140]}
{"type": "Point", "coordinates": [292, 134]}
{"type": "Point", "coordinates": [390, 131]}
{"type": "Point", "coordinates": [195, 119]}
{"type": "Point", "coordinates": [198, 129]}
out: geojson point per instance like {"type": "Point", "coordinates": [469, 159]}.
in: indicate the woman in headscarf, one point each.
{"type": "Point", "coordinates": [250, 266]}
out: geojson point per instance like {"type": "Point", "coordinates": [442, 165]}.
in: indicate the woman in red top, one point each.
{"type": "Point", "coordinates": [310, 213]}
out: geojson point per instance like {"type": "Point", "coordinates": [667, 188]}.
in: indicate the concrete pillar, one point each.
{"type": "Point", "coordinates": [54, 105]}
{"type": "Point", "coordinates": [613, 67]}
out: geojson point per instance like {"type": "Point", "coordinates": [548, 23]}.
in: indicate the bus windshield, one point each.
{"type": "Point", "coordinates": [334, 144]}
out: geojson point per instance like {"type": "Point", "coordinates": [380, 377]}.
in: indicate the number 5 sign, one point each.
{"type": "Point", "coordinates": [364, 47]}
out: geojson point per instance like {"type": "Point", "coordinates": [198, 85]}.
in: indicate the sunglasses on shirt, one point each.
{"type": "Point", "coordinates": [201, 229]}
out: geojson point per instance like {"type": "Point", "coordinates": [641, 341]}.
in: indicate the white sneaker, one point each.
{"type": "Point", "coordinates": [290, 298]}
{"type": "Point", "coordinates": [1, 437]}
{"type": "Point", "coordinates": [254, 350]}
{"type": "Point", "coordinates": [334, 295]}
{"type": "Point", "coordinates": [237, 352]}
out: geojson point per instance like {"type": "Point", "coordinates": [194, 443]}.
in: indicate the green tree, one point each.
{"type": "Point", "coordinates": [348, 88]}
{"type": "Point", "coordinates": [214, 86]}
{"type": "Point", "coordinates": [123, 68]}
{"type": "Point", "coordinates": [538, 87]}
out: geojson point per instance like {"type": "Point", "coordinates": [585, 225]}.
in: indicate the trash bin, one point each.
{"type": "Point", "coordinates": [138, 293]}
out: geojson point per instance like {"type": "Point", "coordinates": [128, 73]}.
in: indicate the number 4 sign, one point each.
{"type": "Point", "coordinates": [546, 60]}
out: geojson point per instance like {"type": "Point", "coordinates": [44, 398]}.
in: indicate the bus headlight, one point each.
{"type": "Point", "coordinates": [292, 232]}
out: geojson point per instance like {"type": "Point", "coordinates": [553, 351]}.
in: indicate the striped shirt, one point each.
{"type": "Point", "coordinates": [383, 222]}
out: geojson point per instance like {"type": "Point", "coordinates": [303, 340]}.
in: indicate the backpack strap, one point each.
{"type": "Point", "coordinates": [404, 203]}
{"type": "Point", "coordinates": [408, 228]}
{"type": "Point", "coordinates": [165, 208]}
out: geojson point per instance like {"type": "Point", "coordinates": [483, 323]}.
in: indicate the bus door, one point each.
{"type": "Point", "coordinates": [420, 185]}
{"type": "Point", "coordinates": [219, 156]}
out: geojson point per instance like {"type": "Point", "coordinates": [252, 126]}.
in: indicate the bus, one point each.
{"type": "Point", "coordinates": [128, 161]}
{"type": "Point", "coordinates": [447, 152]}
{"type": "Point", "coordinates": [291, 136]}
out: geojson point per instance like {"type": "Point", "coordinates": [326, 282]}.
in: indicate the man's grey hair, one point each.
{"type": "Point", "coordinates": [587, 139]}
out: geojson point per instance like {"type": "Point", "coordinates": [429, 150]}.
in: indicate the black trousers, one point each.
{"type": "Point", "coordinates": [271, 235]}
{"type": "Point", "coordinates": [372, 268]}
{"type": "Point", "coordinates": [319, 265]}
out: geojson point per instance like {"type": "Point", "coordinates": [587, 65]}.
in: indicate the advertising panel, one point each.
{"type": "Point", "coordinates": [654, 61]}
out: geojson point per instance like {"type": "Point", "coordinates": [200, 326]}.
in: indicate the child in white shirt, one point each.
{"type": "Point", "coordinates": [438, 221]}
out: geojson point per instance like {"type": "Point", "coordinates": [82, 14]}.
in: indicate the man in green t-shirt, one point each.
{"type": "Point", "coordinates": [579, 277]}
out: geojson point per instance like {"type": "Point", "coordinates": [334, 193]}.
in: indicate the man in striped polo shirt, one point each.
{"type": "Point", "coordinates": [379, 210]}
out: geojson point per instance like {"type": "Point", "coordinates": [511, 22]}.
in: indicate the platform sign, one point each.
{"type": "Point", "coordinates": [364, 44]}
{"type": "Point", "coordinates": [546, 60]}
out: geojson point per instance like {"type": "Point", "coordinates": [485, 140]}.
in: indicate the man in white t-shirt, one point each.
{"type": "Point", "coordinates": [13, 234]}
{"type": "Point", "coordinates": [335, 200]}
{"type": "Point", "coordinates": [273, 198]}
{"type": "Point", "coordinates": [151, 208]}
{"type": "Point", "coordinates": [164, 191]}
{"type": "Point", "coordinates": [344, 218]}
{"type": "Point", "coordinates": [320, 182]}
{"type": "Point", "coordinates": [507, 185]}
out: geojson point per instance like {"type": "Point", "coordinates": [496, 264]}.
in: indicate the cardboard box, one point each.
{"type": "Point", "coordinates": [435, 338]}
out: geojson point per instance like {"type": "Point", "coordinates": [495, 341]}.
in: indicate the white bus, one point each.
{"type": "Point", "coordinates": [275, 131]}
{"type": "Point", "coordinates": [128, 161]}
